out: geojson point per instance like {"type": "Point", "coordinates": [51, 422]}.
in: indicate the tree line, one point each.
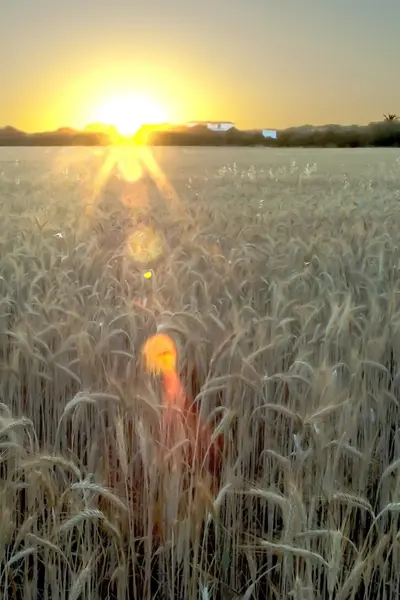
{"type": "Point", "coordinates": [385, 133]}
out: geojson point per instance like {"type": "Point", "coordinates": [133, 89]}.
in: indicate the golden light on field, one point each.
{"type": "Point", "coordinates": [128, 112]}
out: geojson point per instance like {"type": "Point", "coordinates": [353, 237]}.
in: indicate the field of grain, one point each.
{"type": "Point", "coordinates": [277, 274]}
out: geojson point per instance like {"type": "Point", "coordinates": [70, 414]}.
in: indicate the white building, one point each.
{"type": "Point", "coordinates": [270, 133]}
{"type": "Point", "coordinates": [213, 125]}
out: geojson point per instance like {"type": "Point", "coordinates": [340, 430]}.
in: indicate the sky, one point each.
{"type": "Point", "coordinates": [258, 63]}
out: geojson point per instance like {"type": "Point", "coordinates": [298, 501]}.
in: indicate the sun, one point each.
{"type": "Point", "coordinates": [128, 112]}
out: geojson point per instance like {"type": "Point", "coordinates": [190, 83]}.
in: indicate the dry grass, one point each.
{"type": "Point", "coordinates": [278, 276]}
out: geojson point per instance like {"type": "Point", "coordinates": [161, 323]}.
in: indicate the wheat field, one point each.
{"type": "Point", "coordinates": [277, 274]}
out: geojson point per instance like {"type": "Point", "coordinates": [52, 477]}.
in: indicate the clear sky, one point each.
{"type": "Point", "coordinates": [259, 63]}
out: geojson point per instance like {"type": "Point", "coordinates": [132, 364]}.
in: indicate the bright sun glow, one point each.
{"type": "Point", "coordinates": [129, 112]}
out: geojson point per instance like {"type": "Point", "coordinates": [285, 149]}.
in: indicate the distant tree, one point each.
{"type": "Point", "coordinates": [390, 117]}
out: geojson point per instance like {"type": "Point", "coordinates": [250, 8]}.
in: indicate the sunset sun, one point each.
{"type": "Point", "coordinates": [127, 113]}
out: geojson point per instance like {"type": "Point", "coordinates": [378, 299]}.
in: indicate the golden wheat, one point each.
{"type": "Point", "coordinates": [280, 284]}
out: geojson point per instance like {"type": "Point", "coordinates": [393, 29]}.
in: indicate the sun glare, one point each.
{"type": "Point", "coordinates": [129, 112]}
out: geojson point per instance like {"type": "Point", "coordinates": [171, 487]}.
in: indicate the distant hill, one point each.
{"type": "Point", "coordinates": [64, 136]}
{"type": "Point", "coordinates": [66, 131]}
{"type": "Point", "coordinates": [11, 132]}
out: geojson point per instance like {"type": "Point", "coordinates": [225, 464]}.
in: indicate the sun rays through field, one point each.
{"type": "Point", "coordinates": [199, 374]}
{"type": "Point", "coordinates": [136, 169]}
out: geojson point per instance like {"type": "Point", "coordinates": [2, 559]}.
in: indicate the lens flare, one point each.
{"type": "Point", "coordinates": [145, 245]}
{"type": "Point", "coordinates": [160, 354]}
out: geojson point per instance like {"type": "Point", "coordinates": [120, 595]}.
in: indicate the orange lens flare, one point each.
{"type": "Point", "coordinates": [180, 421]}
{"type": "Point", "coordinates": [159, 354]}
